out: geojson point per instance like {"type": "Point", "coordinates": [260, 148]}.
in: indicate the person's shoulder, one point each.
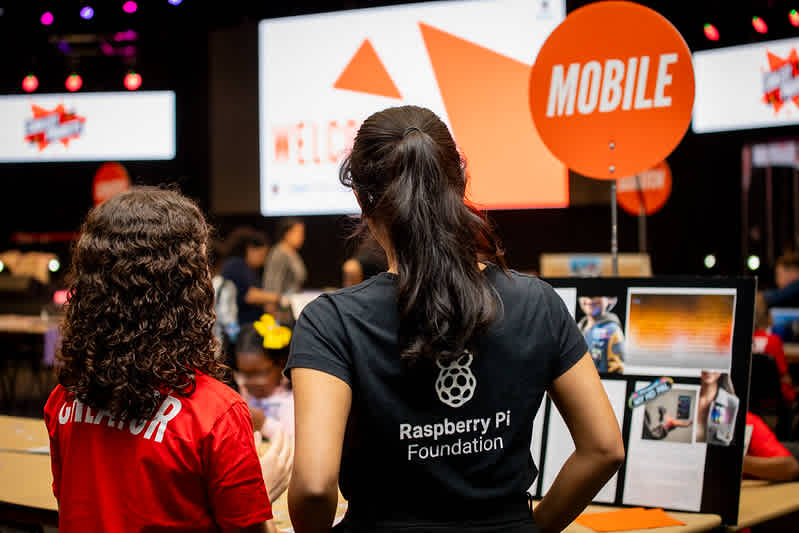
{"type": "Point", "coordinates": [366, 290]}
{"type": "Point", "coordinates": [213, 395]}
{"type": "Point", "coordinates": [521, 284]}
{"type": "Point", "coordinates": [57, 397]}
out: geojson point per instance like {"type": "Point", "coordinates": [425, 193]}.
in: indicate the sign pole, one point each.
{"type": "Point", "coordinates": [641, 216]}
{"type": "Point", "coordinates": [614, 229]}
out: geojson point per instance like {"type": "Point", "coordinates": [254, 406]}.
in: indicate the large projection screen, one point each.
{"type": "Point", "coordinates": [97, 126]}
{"type": "Point", "coordinates": [320, 76]}
{"type": "Point", "coordinates": [747, 87]}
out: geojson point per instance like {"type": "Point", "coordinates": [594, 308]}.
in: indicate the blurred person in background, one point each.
{"type": "Point", "coordinates": [246, 250]}
{"type": "Point", "coordinates": [284, 271]}
{"type": "Point", "coordinates": [766, 342]}
{"type": "Point", "coordinates": [369, 260]}
{"type": "Point", "coordinates": [786, 277]}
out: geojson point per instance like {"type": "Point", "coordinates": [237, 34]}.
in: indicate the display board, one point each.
{"type": "Point", "coordinates": [98, 126]}
{"type": "Point", "coordinates": [674, 357]}
{"type": "Point", "coordinates": [468, 61]}
{"type": "Point", "coordinates": [748, 86]}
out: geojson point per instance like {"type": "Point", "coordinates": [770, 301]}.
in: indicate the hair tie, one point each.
{"type": "Point", "coordinates": [275, 337]}
{"type": "Point", "coordinates": [410, 129]}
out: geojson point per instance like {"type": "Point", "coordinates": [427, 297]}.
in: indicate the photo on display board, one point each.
{"type": "Point", "coordinates": [603, 331]}
{"type": "Point", "coordinates": [679, 331]}
{"type": "Point", "coordinates": [670, 417]}
{"type": "Point", "coordinates": [718, 409]}
{"type": "Point", "coordinates": [665, 461]}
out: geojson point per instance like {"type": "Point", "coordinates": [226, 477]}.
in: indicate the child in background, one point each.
{"type": "Point", "coordinates": [770, 344]}
{"type": "Point", "coordinates": [261, 353]}
{"type": "Point", "coordinates": [766, 457]}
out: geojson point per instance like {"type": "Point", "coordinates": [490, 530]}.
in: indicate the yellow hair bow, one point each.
{"type": "Point", "coordinates": [275, 337]}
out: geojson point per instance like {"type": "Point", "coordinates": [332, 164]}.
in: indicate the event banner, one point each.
{"type": "Point", "coordinates": [467, 61]}
{"type": "Point", "coordinates": [765, 81]}
{"type": "Point", "coordinates": [674, 358]}
{"type": "Point", "coordinates": [97, 126]}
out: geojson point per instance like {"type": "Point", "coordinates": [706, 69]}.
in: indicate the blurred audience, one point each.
{"type": "Point", "coordinates": [285, 271]}
{"type": "Point", "coordinates": [368, 261]}
{"type": "Point", "coordinates": [246, 250]}
{"type": "Point", "coordinates": [765, 342]}
{"type": "Point", "coordinates": [786, 276]}
{"type": "Point", "coordinates": [766, 457]}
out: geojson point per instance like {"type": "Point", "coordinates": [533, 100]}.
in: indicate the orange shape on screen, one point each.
{"type": "Point", "coordinates": [487, 100]}
{"type": "Point", "coordinates": [365, 73]}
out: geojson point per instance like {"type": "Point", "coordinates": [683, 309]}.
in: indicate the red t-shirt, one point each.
{"type": "Point", "coordinates": [192, 467]}
{"type": "Point", "coordinates": [764, 442]}
{"type": "Point", "coordinates": [770, 344]}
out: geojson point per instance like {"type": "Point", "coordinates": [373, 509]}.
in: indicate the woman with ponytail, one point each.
{"type": "Point", "coordinates": [415, 391]}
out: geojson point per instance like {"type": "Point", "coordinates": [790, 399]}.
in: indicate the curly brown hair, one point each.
{"type": "Point", "coordinates": [140, 312]}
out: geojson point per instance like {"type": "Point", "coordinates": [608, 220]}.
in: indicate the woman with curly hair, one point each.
{"type": "Point", "coordinates": [143, 435]}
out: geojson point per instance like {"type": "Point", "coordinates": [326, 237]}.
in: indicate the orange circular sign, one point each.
{"type": "Point", "coordinates": [612, 89]}
{"type": "Point", "coordinates": [109, 180]}
{"type": "Point", "coordinates": [648, 190]}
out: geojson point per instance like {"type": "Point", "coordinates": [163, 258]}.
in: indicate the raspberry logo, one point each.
{"type": "Point", "coordinates": [455, 384]}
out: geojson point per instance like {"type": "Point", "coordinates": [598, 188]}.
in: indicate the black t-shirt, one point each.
{"type": "Point", "coordinates": [243, 277]}
{"type": "Point", "coordinates": [438, 437]}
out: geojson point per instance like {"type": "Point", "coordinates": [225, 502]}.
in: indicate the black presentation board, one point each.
{"type": "Point", "coordinates": [683, 451]}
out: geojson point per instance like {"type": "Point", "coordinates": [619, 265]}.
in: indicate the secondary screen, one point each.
{"type": "Point", "coordinates": [468, 61]}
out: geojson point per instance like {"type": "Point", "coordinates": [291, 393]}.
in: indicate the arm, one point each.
{"type": "Point", "coordinates": [256, 296]}
{"type": "Point", "coordinates": [579, 396]}
{"type": "Point", "coordinates": [321, 408]}
{"type": "Point", "coordinates": [772, 468]}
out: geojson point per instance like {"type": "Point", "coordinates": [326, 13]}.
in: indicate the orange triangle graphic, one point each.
{"type": "Point", "coordinates": [365, 73]}
{"type": "Point", "coordinates": [486, 96]}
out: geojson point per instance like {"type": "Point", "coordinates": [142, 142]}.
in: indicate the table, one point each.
{"type": "Point", "coordinates": [694, 523]}
{"type": "Point", "coordinates": [762, 501]}
{"type": "Point", "coordinates": [26, 324]}
{"type": "Point", "coordinates": [32, 480]}
{"type": "Point", "coordinates": [19, 433]}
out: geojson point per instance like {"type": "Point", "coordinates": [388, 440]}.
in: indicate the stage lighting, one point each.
{"type": "Point", "coordinates": [132, 81]}
{"type": "Point", "coordinates": [753, 262]}
{"type": "Point", "coordinates": [711, 32]}
{"type": "Point", "coordinates": [710, 261]}
{"type": "Point", "coordinates": [130, 7]}
{"type": "Point", "coordinates": [793, 16]}
{"type": "Point", "coordinates": [74, 82]}
{"type": "Point", "coordinates": [759, 25]}
{"type": "Point", "coordinates": [47, 18]}
{"type": "Point", "coordinates": [2, 266]}
{"type": "Point", "coordinates": [54, 265]}
{"type": "Point", "coordinates": [86, 12]}
{"type": "Point", "coordinates": [175, 2]}
{"type": "Point", "coordinates": [30, 83]}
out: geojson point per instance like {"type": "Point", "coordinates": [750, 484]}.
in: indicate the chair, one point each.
{"type": "Point", "coordinates": [765, 394]}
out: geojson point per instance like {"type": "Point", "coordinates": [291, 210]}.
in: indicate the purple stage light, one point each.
{"type": "Point", "coordinates": [47, 18]}
{"type": "Point", "coordinates": [86, 12]}
{"type": "Point", "coordinates": [130, 7]}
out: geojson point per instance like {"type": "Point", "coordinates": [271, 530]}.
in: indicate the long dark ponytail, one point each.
{"type": "Point", "coordinates": [411, 182]}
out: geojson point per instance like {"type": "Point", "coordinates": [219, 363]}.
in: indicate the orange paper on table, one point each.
{"type": "Point", "coordinates": [627, 519]}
